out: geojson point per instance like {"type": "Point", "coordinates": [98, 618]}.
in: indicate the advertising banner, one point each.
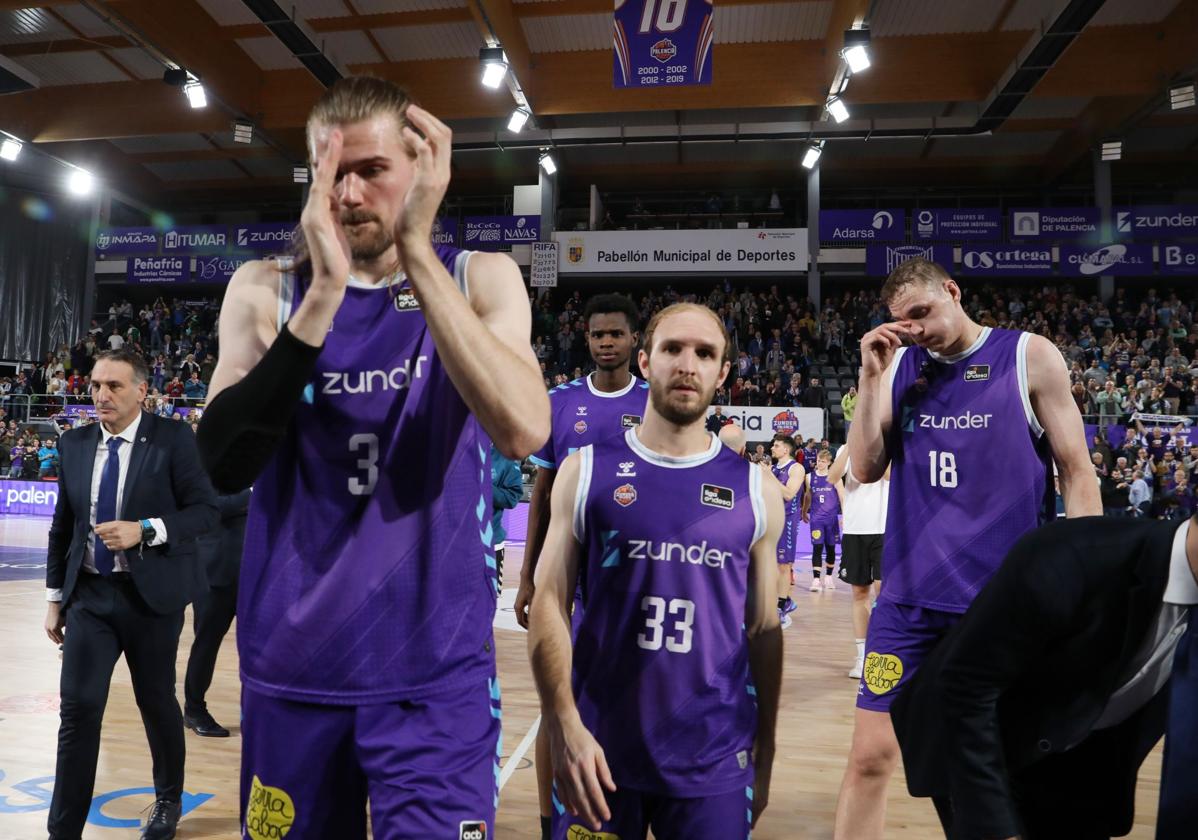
{"type": "Point", "coordinates": [1156, 221]}
{"type": "Point", "coordinates": [855, 225]}
{"type": "Point", "coordinates": [1179, 258]}
{"type": "Point", "coordinates": [761, 423]}
{"type": "Point", "coordinates": [880, 260]}
{"type": "Point", "coordinates": [543, 272]}
{"type": "Point", "coordinates": [662, 43]}
{"type": "Point", "coordinates": [977, 224]}
{"type": "Point", "coordinates": [218, 269]}
{"type": "Point", "coordinates": [206, 239]}
{"type": "Point", "coordinates": [445, 231]}
{"type": "Point", "coordinates": [167, 269]}
{"type": "Point", "coordinates": [484, 233]}
{"type": "Point", "coordinates": [773, 251]}
{"type": "Point", "coordinates": [36, 498]}
{"type": "Point", "coordinates": [268, 237]}
{"type": "Point", "coordinates": [1055, 223]}
{"type": "Point", "coordinates": [127, 240]}
{"type": "Point", "coordinates": [1120, 259]}
{"type": "Point", "coordinates": [1007, 261]}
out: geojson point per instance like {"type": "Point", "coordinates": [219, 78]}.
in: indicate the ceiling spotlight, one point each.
{"type": "Point", "coordinates": [548, 164]}
{"type": "Point", "coordinates": [811, 157]}
{"type": "Point", "coordinates": [1181, 96]}
{"type": "Point", "coordinates": [838, 109]}
{"type": "Point", "coordinates": [243, 132]}
{"type": "Point", "coordinates": [79, 182]}
{"type": "Point", "coordinates": [299, 174]}
{"type": "Point", "coordinates": [518, 119]}
{"type": "Point", "coordinates": [494, 66]}
{"type": "Point", "coordinates": [856, 50]}
{"type": "Point", "coordinates": [195, 94]}
{"type": "Point", "coordinates": [1112, 150]}
{"type": "Point", "coordinates": [10, 149]}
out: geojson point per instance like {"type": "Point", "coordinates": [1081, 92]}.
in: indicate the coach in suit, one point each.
{"type": "Point", "coordinates": [214, 611]}
{"type": "Point", "coordinates": [121, 566]}
{"type": "Point", "coordinates": [1032, 717]}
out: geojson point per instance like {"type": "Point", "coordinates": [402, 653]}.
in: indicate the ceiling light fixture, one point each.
{"type": "Point", "coordinates": [812, 155]}
{"type": "Point", "coordinates": [518, 120]}
{"type": "Point", "coordinates": [10, 149]}
{"type": "Point", "coordinates": [1181, 96]}
{"type": "Point", "coordinates": [1112, 150]}
{"type": "Point", "coordinates": [548, 163]}
{"type": "Point", "coordinates": [856, 50]}
{"type": "Point", "coordinates": [494, 66]}
{"type": "Point", "coordinates": [838, 110]}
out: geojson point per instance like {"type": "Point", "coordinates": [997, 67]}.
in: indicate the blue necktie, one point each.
{"type": "Point", "coordinates": [106, 504]}
{"type": "Point", "coordinates": [1178, 814]}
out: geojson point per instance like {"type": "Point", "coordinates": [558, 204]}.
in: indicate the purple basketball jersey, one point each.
{"type": "Point", "coordinates": [582, 414]}
{"type": "Point", "coordinates": [825, 502]}
{"type": "Point", "coordinates": [367, 575]}
{"type": "Point", "coordinates": [971, 470]}
{"type": "Point", "coordinates": [661, 659]}
{"type": "Point", "coordinates": [783, 473]}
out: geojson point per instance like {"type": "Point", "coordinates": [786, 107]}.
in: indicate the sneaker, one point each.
{"type": "Point", "coordinates": [815, 585]}
{"type": "Point", "coordinates": [858, 667]}
{"type": "Point", "coordinates": [790, 606]}
{"type": "Point", "coordinates": [829, 582]}
{"type": "Point", "coordinates": [786, 620]}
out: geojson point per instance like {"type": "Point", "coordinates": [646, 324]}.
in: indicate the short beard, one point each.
{"type": "Point", "coordinates": [372, 247]}
{"type": "Point", "coordinates": [660, 398]}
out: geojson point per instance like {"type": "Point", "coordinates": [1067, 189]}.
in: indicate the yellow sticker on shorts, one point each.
{"type": "Point", "coordinates": [882, 672]}
{"type": "Point", "coordinates": [579, 832]}
{"type": "Point", "coordinates": [270, 812]}
{"type": "Point", "coordinates": [816, 533]}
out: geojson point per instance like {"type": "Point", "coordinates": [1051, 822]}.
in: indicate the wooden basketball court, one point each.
{"type": "Point", "coordinates": [815, 726]}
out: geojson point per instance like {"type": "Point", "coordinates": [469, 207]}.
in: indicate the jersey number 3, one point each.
{"type": "Point", "coordinates": [367, 446]}
{"type": "Point", "coordinates": [655, 609]}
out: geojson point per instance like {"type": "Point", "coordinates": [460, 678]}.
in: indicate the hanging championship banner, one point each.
{"type": "Point", "coordinates": [662, 43]}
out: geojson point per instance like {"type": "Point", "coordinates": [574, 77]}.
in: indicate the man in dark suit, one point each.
{"type": "Point", "coordinates": [121, 566]}
{"type": "Point", "coordinates": [214, 611]}
{"type": "Point", "coordinates": [1032, 717]}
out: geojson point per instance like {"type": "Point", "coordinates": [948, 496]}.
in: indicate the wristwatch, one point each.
{"type": "Point", "coordinates": [147, 531]}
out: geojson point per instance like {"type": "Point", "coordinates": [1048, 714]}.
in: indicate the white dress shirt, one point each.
{"type": "Point", "coordinates": [1153, 663]}
{"type": "Point", "coordinates": [128, 437]}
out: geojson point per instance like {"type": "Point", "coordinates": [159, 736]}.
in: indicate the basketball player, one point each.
{"type": "Point", "coordinates": [937, 412]}
{"type": "Point", "coordinates": [791, 476]}
{"type": "Point", "coordinates": [364, 380]}
{"type": "Point", "coordinates": [652, 716]}
{"type": "Point", "coordinates": [864, 528]}
{"type": "Point", "coordinates": [589, 409]}
{"type": "Point", "coordinates": [822, 503]}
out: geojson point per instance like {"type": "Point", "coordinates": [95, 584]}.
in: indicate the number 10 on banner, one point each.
{"type": "Point", "coordinates": [662, 43]}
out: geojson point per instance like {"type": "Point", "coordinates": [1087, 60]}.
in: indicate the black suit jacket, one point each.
{"type": "Point", "coordinates": [164, 480]}
{"type": "Point", "coordinates": [1000, 716]}
{"type": "Point", "coordinates": [222, 550]}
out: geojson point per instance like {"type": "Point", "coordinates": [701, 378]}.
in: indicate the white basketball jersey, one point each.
{"type": "Point", "coordinates": [864, 504]}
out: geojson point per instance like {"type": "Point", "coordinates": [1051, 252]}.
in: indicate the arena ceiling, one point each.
{"type": "Point", "coordinates": [939, 66]}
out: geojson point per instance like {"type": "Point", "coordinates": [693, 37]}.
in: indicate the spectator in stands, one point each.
{"type": "Point", "coordinates": [194, 389]}
{"type": "Point", "coordinates": [1110, 404]}
{"type": "Point", "coordinates": [30, 465]}
{"type": "Point", "coordinates": [115, 340]}
{"type": "Point", "coordinates": [848, 404]}
{"type": "Point", "coordinates": [1139, 494]}
{"type": "Point", "coordinates": [47, 457]}
{"type": "Point", "coordinates": [1115, 492]}
{"type": "Point", "coordinates": [174, 388]}
{"type": "Point", "coordinates": [717, 420]}
{"type": "Point", "coordinates": [814, 395]}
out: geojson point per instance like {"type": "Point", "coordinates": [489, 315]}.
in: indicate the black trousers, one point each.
{"type": "Point", "coordinates": [105, 618]}
{"type": "Point", "coordinates": [213, 616]}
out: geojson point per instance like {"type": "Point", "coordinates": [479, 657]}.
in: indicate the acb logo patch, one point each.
{"type": "Point", "coordinates": [472, 830]}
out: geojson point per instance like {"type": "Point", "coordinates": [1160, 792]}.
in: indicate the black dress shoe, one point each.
{"type": "Point", "coordinates": [203, 724]}
{"type": "Point", "coordinates": [163, 820]}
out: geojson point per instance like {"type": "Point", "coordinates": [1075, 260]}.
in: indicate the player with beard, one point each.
{"type": "Point", "coordinates": [359, 389]}
{"type": "Point", "coordinates": [586, 410]}
{"type": "Point", "coordinates": [661, 711]}
{"type": "Point", "coordinates": [937, 413]}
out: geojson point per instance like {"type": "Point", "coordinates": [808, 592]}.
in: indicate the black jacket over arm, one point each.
{"type": "Point", "coordinates": [164, 480]}
{"type": "Point", "coordinates": [1000, 716]}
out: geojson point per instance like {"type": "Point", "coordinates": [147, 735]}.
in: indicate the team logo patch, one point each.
{"type": "Point", "coordinates": [715, 496]}
{"type": "Point", "coordinates": [816, 533]}
{"type": "Point", "coordinates": [977, 373]}
{"type": "Point", "coordinates": [580, 426]}
{"type": "Point", "coordinates": [405, 301]}
{"type": "Point", "coordinates": [581, 832]}
{"type": "Point", "coordinates": [627, 469]}
{"type": "Point", "coordinates": [582, 411]}
{"type": "Point", "coordinates": [472, 830]}
{"type": "Point", "coordinates": [625, 495]}
{"type": "Point", "coordinates": [882, 672]}
{"type": "Point", "coordinates": [269, 813]}
{"type": "Point", "coordinates": [630, 420]}
{"type": "Point", "coordinates": [785, 422]}
{"type": "Point", "coordinates": [664, 50]}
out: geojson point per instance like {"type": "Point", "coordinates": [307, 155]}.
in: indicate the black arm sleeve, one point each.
{"type": "Point", "coordinates": [243, 426]}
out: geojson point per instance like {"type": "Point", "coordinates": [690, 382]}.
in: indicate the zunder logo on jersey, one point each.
{"type": "Point", "coordinates": [270, 813]}
{"type": "Point", "coordinates": [715, 496]}
{"type": "Point", "coordinates": [472, 830]}
{"type": "Point", "coordinates": [624, 495]}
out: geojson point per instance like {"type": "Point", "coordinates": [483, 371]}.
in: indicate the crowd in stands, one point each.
{"type": "Point", "coordinates": [1133, 366]}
